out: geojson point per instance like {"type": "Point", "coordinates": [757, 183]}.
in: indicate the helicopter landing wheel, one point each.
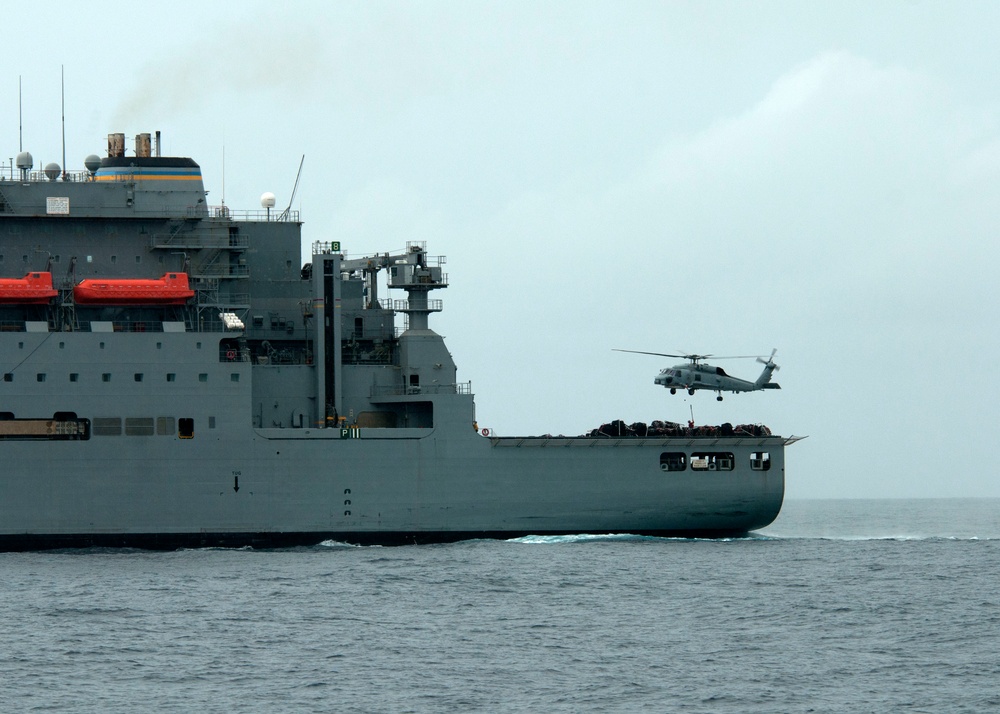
{"type": "Point", "coordinates": [673, 391]}
{"type": "Point", "coordinates": [691, 392]}
{"type": "Point", "coordinates": [718, 398]}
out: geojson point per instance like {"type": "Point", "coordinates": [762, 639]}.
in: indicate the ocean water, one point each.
{"type": "Point", "coordinates": [840, 606]}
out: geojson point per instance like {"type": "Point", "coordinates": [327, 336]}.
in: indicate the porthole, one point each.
{"type": "Point", "coordinates": [712, 461]}
{"type": "Point", "coordinates": [673, 461]}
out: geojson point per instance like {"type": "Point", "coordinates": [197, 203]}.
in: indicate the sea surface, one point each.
{"type": "Point", "coordinates": [839, 606]}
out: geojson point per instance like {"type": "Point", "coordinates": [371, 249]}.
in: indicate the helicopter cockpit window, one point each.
{"type": "Point", "coordinates": [673, 461]}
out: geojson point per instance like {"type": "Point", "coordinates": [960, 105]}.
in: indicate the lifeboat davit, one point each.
{"type": "Point", "coordinates": [32, 289]}
{"type": "Point", "coordinates": [171, 289]}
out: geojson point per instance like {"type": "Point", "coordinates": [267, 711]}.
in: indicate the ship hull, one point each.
{"type": "Point", "coordinates": [278, 492]}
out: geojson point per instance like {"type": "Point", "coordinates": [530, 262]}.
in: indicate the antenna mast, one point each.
{"type": "Point", "coordinates": [20, 118]}
{"type": "Point", "coordinates": [284, 214]}
{"type": "Point", "coordinates": [62, 77]}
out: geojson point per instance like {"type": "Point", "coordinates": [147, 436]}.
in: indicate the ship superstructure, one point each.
{"type": "Point", "coordinates": [172, 375]}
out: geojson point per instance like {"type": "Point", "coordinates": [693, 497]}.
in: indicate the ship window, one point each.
{"type": "Point", "coordinates": [107, 426]}
{"type": "Point", "coordinates": [114, 259]}
{"type": "Point", "coordinates": [673, 461]}
{"type": "Point", "coordinates": [62, 345]}
{"type": "Point", "coordinates": [8, 377]}
{"type": "Point", "coordinates": [185, 428]}
{"type": "Point", "coordinates": [760, 461]}
{"type": "Point", "coordinates": [159, 345]}
{"type": "Point", "coordinates": [138, 426]}
{"type": "Point", "coordinates": [24, 258]}
{"type": "Point", "coordinates": [138, 259]}
{"type": "Point", "coordinates": [106, 377]}
{"type": "Point", "coordinates": [235, 377]}
{"type": "Point", "coordinates": [74, 377]}
{"type": "Point", "coordinates": [211, 422]}
{"type": "Point", "coordinates": [40, 376]}
{"type": "Point", "coordinates": [197, 345]}
{"type": "Point", "coordinates": [203, 377]}
{"type": "Point", "coordinates": [138, 376]}
{"type": "Point", "coordinates": [102, 345]}
{"type": "Point", "coordinates": [171, 377]}
{"type": "Point", "coordinates": [712, 461]}
{"type": "Point", "coordinates": [165, 426]}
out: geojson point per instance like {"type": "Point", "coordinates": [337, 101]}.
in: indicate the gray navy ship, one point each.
{"type": "Point", "coordinates": [173, 376]}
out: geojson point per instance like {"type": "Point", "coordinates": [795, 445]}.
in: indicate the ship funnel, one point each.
{"type": "Point", "coordinates": [142, 145]}
{"type": "Point", "coordinates": [116, 144]}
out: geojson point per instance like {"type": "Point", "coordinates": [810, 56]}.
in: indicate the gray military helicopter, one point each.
{"type": "Point", "coordinates": [698, 374]}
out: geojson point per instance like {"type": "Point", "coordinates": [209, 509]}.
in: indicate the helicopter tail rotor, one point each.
{"type": "Point", "coordinates": [769, 362]}
{"type": "Point", "coordinates": [764, 380]}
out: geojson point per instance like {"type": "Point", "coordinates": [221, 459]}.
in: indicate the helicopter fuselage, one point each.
{"type": "Point", "coordinates": [715, 379]}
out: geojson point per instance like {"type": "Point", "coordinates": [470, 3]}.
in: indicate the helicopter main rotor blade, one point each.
{"type": "Point", "coordinates": [693, 357]}
{"type": "Point", "coordinates": [658, 354]}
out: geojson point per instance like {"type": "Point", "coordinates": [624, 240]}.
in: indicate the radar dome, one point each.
{"type": "Point", "coordinates": [52, 171]}
{"type": "Point", "coordinates": [92, 162]}
{"type": "Point", "coordinates": [267, 199]}
{"type": "Point", "coordinates": [25, 160]}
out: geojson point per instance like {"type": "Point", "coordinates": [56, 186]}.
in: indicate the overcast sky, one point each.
{"type": "Point", "coordinates": [713, 177]}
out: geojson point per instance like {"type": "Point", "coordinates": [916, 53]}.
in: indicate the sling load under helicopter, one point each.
{"type": "Point", "coordinates": [698, 374]}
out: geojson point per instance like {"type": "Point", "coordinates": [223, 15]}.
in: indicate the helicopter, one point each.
{"type": "Point", "coordinates": [698, 374]}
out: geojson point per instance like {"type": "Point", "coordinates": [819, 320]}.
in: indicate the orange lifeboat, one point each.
{"type": "Point", "coordinates": [32, 289]}
{"type": "Point", "coordinates": [171, 289]}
